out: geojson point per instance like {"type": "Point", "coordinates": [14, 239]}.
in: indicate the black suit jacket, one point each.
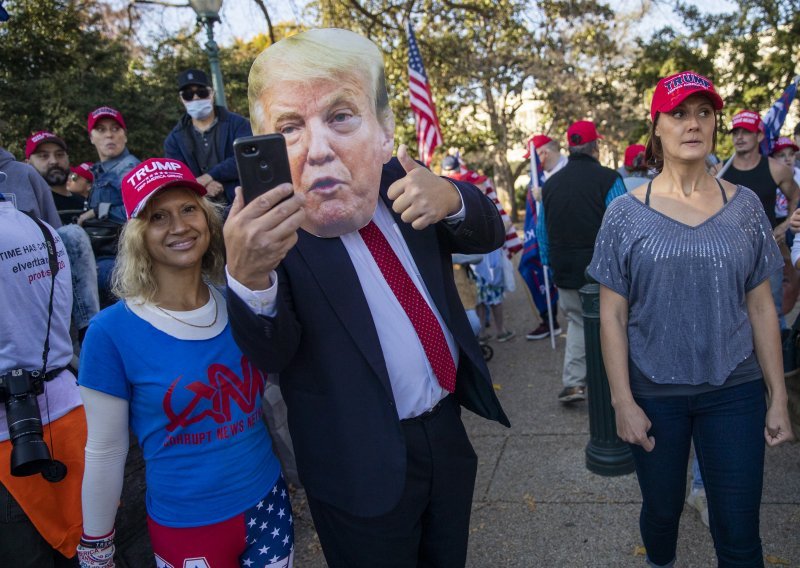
{"type": "Point", "coordinates": [347, 436]}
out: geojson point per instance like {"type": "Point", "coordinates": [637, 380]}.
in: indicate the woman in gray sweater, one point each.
{"type": "Point", "coordinates": [689, 330]}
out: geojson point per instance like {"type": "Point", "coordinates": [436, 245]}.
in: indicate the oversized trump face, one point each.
{"type": "Point", "coordinates": [326, 110]}
{"type": "Point", "coordinates": [336, 150]}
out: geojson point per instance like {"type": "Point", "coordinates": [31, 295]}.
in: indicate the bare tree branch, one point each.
{"type": "Point", "coordinates": [164, 3]}
{"type": "Point", "coordinates": [263, 7]}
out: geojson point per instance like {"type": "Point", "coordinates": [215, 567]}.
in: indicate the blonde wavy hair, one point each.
{"type": "Point", "coordinates": [329, 53]}
{"type": "Point", "coordinates": [133, 270]}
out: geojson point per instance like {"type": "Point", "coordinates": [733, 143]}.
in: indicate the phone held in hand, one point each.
{"type": "Point", "coordinates": [262, 162]}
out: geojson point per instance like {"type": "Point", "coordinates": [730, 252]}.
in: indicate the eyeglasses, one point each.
{"type": "Point", "coordinates": [189, 94]}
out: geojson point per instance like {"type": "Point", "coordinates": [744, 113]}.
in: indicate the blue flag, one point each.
{"type": "Point", "coordinates": [530, 264]}
{"type": "Point", "coordinates": [775, 117]}
{"type": "Point", "coordinates": [3, 13]}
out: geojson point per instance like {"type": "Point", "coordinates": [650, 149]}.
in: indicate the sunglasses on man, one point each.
{"type": "Point", "coordinates": [200, 92]}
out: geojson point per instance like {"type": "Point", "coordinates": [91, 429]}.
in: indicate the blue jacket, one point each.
{"type": "Point", "coordinates": [107, 185]}
{"type": "Point", "coordinates": [230, 126]}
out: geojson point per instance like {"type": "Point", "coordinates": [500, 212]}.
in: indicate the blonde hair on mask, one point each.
{"type": "Point", "coordinates": [133, 270]}
{"type": "Point", "coordinates": [329, 53]}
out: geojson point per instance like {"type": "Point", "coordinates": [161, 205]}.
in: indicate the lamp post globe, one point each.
{"type": "Point", "coordinates": [207, 13]}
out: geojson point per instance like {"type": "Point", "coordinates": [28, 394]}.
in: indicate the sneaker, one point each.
{"type": "Point", "coordinates": [543, 331]}
{"type": "Point", "coordinates": [697, 501]}
{"type": "Point", "coordinates": [572, 394]}
{"type": "Point", "coordinates": [505, 336]}
{"type": "Point", "coordinates": [484, 339]}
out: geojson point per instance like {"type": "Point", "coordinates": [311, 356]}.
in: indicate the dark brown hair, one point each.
{"type": "Point", "coordinates": [654, 153]}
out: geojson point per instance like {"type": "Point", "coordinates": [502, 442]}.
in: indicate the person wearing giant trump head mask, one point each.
{"type": "Point", "coordinates": [342, 282]}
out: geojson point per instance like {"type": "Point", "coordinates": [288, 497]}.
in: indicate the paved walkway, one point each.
{"type": "Point", "coordinates": [536, 504]}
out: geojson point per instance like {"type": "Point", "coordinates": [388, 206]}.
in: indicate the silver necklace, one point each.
{"type": "Point", "coordinates": [216, 314]}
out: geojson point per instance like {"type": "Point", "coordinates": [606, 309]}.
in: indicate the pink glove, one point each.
{"type": "Point", "coordinates": [97, 552]}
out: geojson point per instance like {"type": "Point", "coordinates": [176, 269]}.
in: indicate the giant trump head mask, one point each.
{"type": "Point", "coordinates": [325, 91]}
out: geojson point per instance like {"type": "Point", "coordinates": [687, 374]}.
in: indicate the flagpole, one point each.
{"type": "Point", "coordinates": [535, 186]}
{"type": "Point", "coordinates": [725, 167]}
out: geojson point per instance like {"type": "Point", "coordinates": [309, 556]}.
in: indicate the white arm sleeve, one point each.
{"type": "Point", "coordinates": [106, 450]}
{"type": "Point", "coordinates": [795, 250]}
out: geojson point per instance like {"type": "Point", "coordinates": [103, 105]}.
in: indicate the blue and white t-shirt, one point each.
{"type": "Point", "coordinates": [195, 407]}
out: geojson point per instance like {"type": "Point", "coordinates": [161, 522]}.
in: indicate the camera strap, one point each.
{"type": "Point", "coordinates": [52, 260]}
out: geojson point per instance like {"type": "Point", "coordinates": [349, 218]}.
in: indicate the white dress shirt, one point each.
{"type": "Point", "coordinates": [413, 382]}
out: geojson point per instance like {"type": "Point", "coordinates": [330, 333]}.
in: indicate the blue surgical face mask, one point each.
{"type": "Point", "coordinates": [200, 109]}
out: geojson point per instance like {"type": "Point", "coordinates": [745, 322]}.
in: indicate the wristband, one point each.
{"type": "Point", "coordinates": [97, 552]}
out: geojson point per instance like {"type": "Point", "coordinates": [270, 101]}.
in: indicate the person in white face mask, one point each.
{"type": "Point", "coordinates": [203, 138]}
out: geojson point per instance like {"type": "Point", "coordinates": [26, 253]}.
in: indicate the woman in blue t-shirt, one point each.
{"type": "Point", "coordinates": [690, 332]}
{"type": "Point", "coordinates": [163, 361]}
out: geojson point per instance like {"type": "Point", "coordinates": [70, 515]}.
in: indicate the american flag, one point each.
{"type": "Point", "coordinates": [775, 117]}
{"type": "Point", "coordinates": [429, 133]}
{"type": "Point", "coordinates": [530, 263]}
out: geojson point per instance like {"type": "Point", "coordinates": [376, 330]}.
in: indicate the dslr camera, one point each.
{"type": "Point", "coordinates": [18, 391]}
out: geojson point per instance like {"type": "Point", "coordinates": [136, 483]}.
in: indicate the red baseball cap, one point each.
{"type": "Point", "coordinates": [104, 112]}
{"type": "Point", "coordinates": [581, 132]}
{"type": "Point", "coordinates": [150, 177]}
{"type": "Point", "coordinates": [38, 138]}
{"type": "Point", "coordinates": [784, 142]}
{"type": "Point", "coordinates": [84, 170]}
{"type": "Point", "coordinates": [747, 119]}
{"type": "Point", "coordinates": [538, 141]}
{"type": "Point", "coordinates": [673, 90]}
{"type": "Point", "coordinates": [631, 152]}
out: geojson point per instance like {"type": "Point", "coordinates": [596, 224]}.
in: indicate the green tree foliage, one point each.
{"type": "Point", "coordinates": [59, 59]}
{"type": "Point", "coordinates": [55, 65]}
{"type": "Point", "coordinates": [579, 58]}
{"type": "Point", "coordinates": [478, 55]}
{"type": "Point", "coordinates": [750, 53]}
{"type": "Point", "coordinates": [484, 56]}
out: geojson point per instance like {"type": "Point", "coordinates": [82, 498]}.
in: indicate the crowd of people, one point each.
{"type": "Point", "coordinates": [173, 303]}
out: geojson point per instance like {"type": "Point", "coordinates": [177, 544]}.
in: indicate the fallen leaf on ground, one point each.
{"type": "Point", "coordinates": [777, 560]}
{"type": "Point", "coordinates": [529, 501]}
{"type": "Point", "coordinates": [497, 387]}
{"type": "Point", "coordinates": [640, 551]}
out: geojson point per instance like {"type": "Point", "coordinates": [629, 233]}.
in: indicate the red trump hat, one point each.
{"type": "Point", "coordinates": [104, 112]}
{"type": "Point", "coordinates": [747, 119]}
{"type": "Point", "coordinates": [538, 141]}
{"type": "Point", "coordinates": [631, 153]}
{"type": "Point", "coordinates": [38, 138]}
{"type": "Point", "coordinates": [784, 142]}
{"type": "Point", "coordinates": [84, 170]}
{"type": "Point", "coordinates": [150, 177]}
{"type": "Point", "coordinates": [582, 132]}
{"type": "Point", "coordinates": [673, 90]}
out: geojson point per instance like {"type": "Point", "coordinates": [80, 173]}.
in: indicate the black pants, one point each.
{"type": "Point", "coordinates": [429, 527]}
{"type": "Point", "coordinates": [21, 545]}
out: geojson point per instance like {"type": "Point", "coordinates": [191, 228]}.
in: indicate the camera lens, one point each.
{"type": "Point", "coordinates": [29, 453]}
{"type": "Point", "coordinates": [263, 164]}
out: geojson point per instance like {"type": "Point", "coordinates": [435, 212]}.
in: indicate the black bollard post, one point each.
{"type": "Point", "coordinates": [606, 454]}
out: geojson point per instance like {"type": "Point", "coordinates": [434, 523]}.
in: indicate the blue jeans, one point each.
{"type": "Point", "coordinates": [697, 477]}
{"type": "Point", "coordinates": [727, 427]}
{"type": "Point", "coordinates": [85, 298]}
{"type": "Point", "coordinates": [105, 266]}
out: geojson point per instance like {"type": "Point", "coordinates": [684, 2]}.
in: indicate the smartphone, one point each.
{"type": "Point", "coordinates": [262, 162]}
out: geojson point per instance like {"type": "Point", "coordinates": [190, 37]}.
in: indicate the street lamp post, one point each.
{"type": "Point", "coordinates": [208, 13]}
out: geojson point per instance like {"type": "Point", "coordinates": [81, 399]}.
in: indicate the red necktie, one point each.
{"type": "Point", "coordinates": [417, 309]}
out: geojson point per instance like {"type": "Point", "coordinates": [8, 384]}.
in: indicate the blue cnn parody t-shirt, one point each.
{"type": "Point", "coordinates": [195, 407]}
